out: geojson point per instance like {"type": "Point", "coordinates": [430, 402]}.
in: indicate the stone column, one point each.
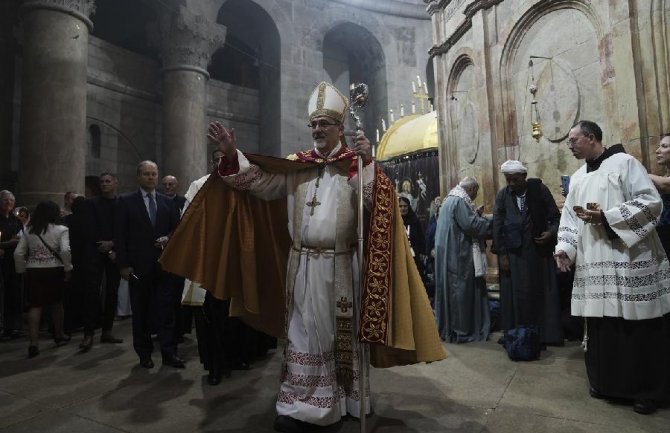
{"type": "Point", "coordinates": [52, 156]}
{"type": "Point", "coordinates": [187, 43]}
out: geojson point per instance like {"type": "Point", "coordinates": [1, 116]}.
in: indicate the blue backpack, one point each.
{"type": "Point", "coordinates": [523, 343]}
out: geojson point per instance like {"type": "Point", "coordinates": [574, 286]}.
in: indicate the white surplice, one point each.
{"type": "Point", "coordinates": [322, 279]}
{"type": "Point", "coordinates": [628, 277]}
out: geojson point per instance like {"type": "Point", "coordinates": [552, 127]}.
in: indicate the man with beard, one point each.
{"type": "Point", "coordinates": [622, 275]}
{"type": "Point", "coordinates": [306, 207]}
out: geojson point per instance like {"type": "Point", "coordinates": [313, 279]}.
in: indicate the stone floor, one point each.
{"type": "Point", "coordinates": [477, 389]}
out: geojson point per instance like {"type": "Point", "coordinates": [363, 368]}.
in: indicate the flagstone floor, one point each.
{"type": "Point", "coordinates": [476, 390]}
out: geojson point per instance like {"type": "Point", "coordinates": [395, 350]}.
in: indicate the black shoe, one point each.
{"type": "Point", "coordinates": [33, 351]}
{"type": "Point", "coordinates": [174, 361]}
{"type": "Point", "coordinates": [108, 338]}
{"type": "Point", "coordinates": [286, 424]}
{"type": "Point", "coordinates": [214, 379]}
{"type": "Point", "coordinates": [644, 407]}
{"type": "Point", "coordinates": [595, 394]}
{"type": "Point", "coordinates": [86, 345]}
{"type": "Point", "coordinates": [60, 341]}
{"type": "Point", "coordinates": [146, 363]}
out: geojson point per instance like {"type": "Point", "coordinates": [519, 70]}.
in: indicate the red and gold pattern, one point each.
{"type": "Point", "coordinates": [379, 261]}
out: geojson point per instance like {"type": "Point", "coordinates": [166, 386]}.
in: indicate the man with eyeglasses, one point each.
{"type": "Point", "coordinates": [622, 275]}
{"type": "Point", "coordinates": [314, 194]}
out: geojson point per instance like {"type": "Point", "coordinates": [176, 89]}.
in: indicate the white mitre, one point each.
{"type": "Point", "coordinates": [326, 100]}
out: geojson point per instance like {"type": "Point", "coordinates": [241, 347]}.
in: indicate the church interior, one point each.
{"type": "Point", "coordinates": [456, 88]}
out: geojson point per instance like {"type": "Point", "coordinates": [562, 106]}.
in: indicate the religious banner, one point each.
{"type": "Point", "coordinates": [416, 177]}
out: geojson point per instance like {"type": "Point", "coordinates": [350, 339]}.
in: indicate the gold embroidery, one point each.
{"type": "Point", "coordinates": [344, 304]}
{"type": "Point", "coordinates": [377, 283]}
{"type": "Point", "coordinates": [344, 353]}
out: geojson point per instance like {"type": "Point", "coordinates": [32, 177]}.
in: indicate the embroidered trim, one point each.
{"type": "Point", "coordinates": [621, 281]}
{"type": "Point", "coordinates": [568, 240]}
{"type": "Point", "coordinates": [309, 359]}
{"type": "Point", "coordinates": [320, 402]}
{"type": "Point", "coordinates": [632, 222]}
{"type": "Point", "coordinates": [646, 211]}
{"type": "Point", "coordinates": [568, 229]}
{"type": "Point", "coordinates": [379, 261]}
{"type": "Point", "coordinates": [646, 264]}
{"type": "Point", "coordinates": [310, 381]}
{"type": "Point", "coordinates": [245, 180]}
{"type": "Point", "coordinates": [625, 297]}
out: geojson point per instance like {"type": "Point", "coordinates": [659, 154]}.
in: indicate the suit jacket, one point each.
{"type": "Point", "coordinates": [180, 200]}
{"type": "Point", "coordinates": [134, 236]}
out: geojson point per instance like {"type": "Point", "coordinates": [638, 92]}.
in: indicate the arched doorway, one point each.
{"type": "Point", "coordinates": [253, 39]}
{"type": "Point", "coordinates": [351, 54]}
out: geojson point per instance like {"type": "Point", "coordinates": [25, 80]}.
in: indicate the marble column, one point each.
{"type": "Point", "coordinates": [187, 43]}
{"type": "Point", "coordinates": [52, 154]}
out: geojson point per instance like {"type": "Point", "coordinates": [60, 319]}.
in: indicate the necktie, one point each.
{"type": "Point", "coordinates": [152, 209]}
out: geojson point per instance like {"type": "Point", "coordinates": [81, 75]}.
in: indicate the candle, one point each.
{"type": "Point", "coordinates": [419, 80]}
{"type": "Point", "coordinates": [413, 87]}
{"type": "Point", "coordinates": [374, 152]}
{"type": "Point", "coordinates": [402, 110]}
{"type": "Point", "coordinates": [413, 108]}
{"type": "Point", "coordinates": [383, 125]}
{"type": "Point", "coordinates": [391, 118]}
{"type": "Point", "coordinates": [431, 108]}
{"type": "Point", "coordinates": [377, 135]}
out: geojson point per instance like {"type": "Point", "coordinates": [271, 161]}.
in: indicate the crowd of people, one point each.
{"type": "Point", "coordinates": [71, 262]}
{"type": "Point", "coordinates": [606, 248]}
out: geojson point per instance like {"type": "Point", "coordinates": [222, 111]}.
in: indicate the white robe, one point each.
{"type": "Point", "coordinates": [317, 282]}
{"type": "Point", "coordinates": [193, 293]}
{"type": "Point", "coordinates": [628, 277]}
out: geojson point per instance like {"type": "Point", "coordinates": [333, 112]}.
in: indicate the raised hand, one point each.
{"type": "Point", "coordinates": [223, 139]}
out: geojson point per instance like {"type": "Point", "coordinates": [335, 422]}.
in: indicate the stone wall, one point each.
{"type": "Point", "coordinates": [124, 98]}
{"type": "Point", "coordinates": [597, 60]}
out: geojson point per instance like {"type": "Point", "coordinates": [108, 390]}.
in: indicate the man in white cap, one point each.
{"type": "Point", "coordinates": [525, 223]}
{"type": "Point", "coordinates": [319, 189]}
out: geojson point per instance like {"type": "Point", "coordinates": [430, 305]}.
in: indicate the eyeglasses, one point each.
{"type": "Point", "coordinates": [572, 141]}
{"type": "Point", "coordinates": [321, 124]}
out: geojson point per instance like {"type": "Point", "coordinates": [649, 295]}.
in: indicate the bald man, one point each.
{"type": "Point", "coordinates": [170, 185]}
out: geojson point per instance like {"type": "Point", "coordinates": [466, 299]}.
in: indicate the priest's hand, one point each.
{"type": "Point", "coordinates": [362, 146]}
{"type": "Point", "coordinates": [588, 216]}
{"type": "Point", "coordinates": [563, 261]}
{"type": "Point", "coordinates": [543, 239]}
{"type": "Point", "coordinates": [223, 139]}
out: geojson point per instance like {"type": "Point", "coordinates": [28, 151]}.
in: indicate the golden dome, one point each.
{"type": "Point", "coordinates": [409, 134]}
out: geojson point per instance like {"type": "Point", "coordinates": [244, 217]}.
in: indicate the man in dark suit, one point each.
{"type": "Point", "coordinates": [144, 220]}
{"type": "Point", "coordinates": [170, 185]}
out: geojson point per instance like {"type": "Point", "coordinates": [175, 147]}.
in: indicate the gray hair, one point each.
{"type": "Point", "coordinates": [6, 193]}
{"type": "Point", "coordinates": [143, 163]}
{"type": "Point", "coordinates": [468, 182]}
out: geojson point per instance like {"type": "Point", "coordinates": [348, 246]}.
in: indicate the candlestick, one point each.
{"type": "Point", "coordinates": [413, 108]}
{"type": "Point", "coordinates": [419, 80]}
{"type": "Point", "coordinates": [377, 130]}
{"type": "Point", "coordinates": [391, 118]}
{"type": "Point", "coordinates": [413, 87]}
{"type": "Point", "coordinates": [402, 110]}
{"type": "Point", "coordinates": [383, 125]}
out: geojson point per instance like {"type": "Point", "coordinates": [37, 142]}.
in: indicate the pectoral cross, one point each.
{"type": "Point", "coordinates": [313, 204]}
{"type": "Point", "coordinates": [343, 304]}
